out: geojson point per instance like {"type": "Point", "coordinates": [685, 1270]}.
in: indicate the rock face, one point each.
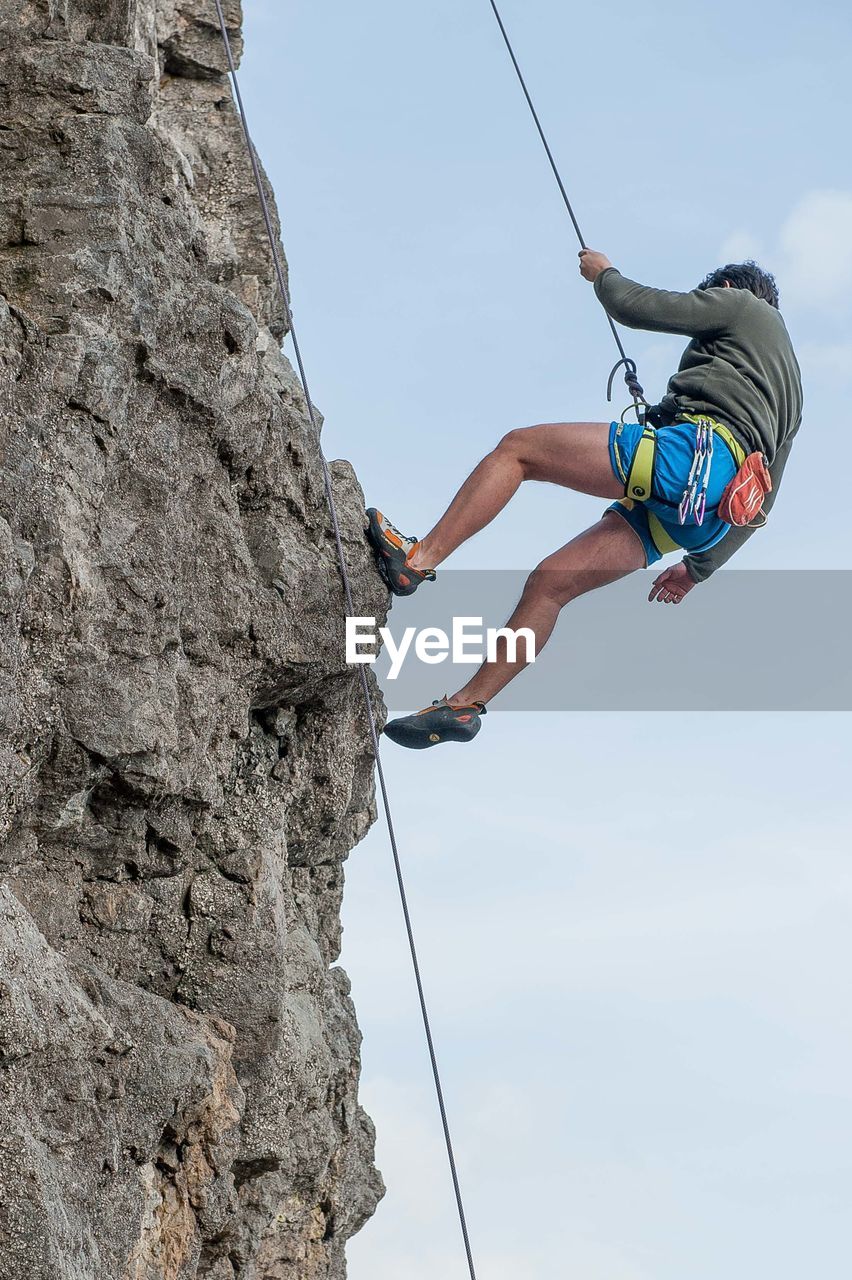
{"type": "Point", "coordinates": [183, 754]}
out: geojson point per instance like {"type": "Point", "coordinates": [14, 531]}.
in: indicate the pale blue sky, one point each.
{"type": "Point", "coordinates": [635, 932]}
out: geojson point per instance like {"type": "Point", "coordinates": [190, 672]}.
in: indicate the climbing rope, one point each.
{"type": "Point", "coordinates": [350, 610]}
{"type": "Point", "coordinates": [630, 372]}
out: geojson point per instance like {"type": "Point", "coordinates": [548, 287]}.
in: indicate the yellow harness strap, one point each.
{"type": "Point", "coordinates": [659, 537]}
{"type": "Point", "coordinates": [641, 471]}
{"type": "Point", "coordinates": [720, 430]}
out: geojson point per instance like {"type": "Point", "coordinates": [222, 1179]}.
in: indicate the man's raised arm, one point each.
{"type": "Point", "coordinates": [703, 311]}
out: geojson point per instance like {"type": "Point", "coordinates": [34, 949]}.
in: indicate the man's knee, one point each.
{"type": "Point", "coordinates": [557, 585]}
{"type": "Point", "coordinates": [516, 445]}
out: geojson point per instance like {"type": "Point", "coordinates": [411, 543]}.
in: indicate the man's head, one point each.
{"type": "Point", "coordinates": [744, 275]}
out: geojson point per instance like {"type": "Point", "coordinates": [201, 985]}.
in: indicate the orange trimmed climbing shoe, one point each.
{"type": "Point", "coordinates": [392, 550]}
{"type": "Point", "coordinates": [438, 723]}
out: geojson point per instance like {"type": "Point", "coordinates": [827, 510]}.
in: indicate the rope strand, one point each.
{"type": "Point", "coordinates": [630, 366]}
{"type": "Point", "coordinates": [365, 688]}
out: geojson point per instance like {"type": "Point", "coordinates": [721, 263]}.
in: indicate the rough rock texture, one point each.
{"type": "Point", "coordinates": [183, 756]}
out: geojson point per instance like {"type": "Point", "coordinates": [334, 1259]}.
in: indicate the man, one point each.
{"type": "Point", "coordinates": [740, 384]}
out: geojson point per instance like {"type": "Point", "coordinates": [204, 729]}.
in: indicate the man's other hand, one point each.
{"type": "Point", "coordinates": [592, 264]}
{"type": "Point", "coordinates": [672, 585]}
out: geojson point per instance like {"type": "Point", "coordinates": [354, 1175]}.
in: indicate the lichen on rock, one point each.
{"type": "Point", "coordinates": [184, 754]}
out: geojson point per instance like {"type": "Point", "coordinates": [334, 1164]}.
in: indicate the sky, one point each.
{"type": "Point", "coordinates": [634, 927]}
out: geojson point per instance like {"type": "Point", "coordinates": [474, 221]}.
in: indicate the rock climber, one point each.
{"type": "Point", "coordinates": [720, 438]}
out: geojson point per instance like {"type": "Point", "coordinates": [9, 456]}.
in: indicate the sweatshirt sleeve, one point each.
{"type": "Point", "coordinates": [704, 563]}
{"type": "Point", "coordinates": [703, 311]}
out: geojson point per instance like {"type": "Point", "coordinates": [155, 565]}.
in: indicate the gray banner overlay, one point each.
{"type": "Point", "coordinates": [744, 641]}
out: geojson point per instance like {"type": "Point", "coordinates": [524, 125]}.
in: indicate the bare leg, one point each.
{"type": "Point", "coordinates": [604, 553]}
{"type": "Point", "coordinates": [573, 454]}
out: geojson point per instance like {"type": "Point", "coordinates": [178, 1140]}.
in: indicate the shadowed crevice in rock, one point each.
{"type": "Point", "coordinates": [184, 756]}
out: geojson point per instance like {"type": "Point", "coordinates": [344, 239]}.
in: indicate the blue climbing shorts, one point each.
{"type": "Point", "coordinates": [656, 521]}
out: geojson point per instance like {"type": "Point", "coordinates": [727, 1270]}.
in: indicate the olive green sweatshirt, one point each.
{"type": "Point", "coordinates": [739, 367]}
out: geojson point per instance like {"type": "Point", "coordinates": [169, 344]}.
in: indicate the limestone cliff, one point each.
{"type": "Point", "coordinates": [183, 753]}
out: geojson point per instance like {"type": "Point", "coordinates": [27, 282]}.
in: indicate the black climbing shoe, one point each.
{"type": "Point", "coordinates": [438, 723]}
{"type": "Point", "coordinates": [392, 550]}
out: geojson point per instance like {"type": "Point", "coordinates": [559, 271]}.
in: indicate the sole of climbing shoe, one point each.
{"type": "Point", "coordinates": [390, 548]}
{"type": "Point", "coordinates": [436, 724]}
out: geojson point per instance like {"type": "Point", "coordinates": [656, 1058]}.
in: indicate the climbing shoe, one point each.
{"type": "Point", "coordinates": [438, 723]}
{"type": "Point", "coordinates": [392, 550]}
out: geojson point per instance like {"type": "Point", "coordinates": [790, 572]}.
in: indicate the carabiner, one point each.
{"type": "Point", "coordinates": [687, 502]}
{"type": "Point", "coordinates": [701, 505]}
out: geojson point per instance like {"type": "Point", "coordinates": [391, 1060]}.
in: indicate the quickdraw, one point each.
{"type": "Point", "coordinates": [694, 500]}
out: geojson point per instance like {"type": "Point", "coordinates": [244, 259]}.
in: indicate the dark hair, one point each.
{"type": "Point", "coordinates": [744, 275]}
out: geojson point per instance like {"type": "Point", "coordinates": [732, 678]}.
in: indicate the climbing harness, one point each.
{"type": "Point", "coordinates": [630, 373]}
{"type": "Point", "coordinates": [742, 499]}
{"type": "Point", "coordinates": [350, 610]}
